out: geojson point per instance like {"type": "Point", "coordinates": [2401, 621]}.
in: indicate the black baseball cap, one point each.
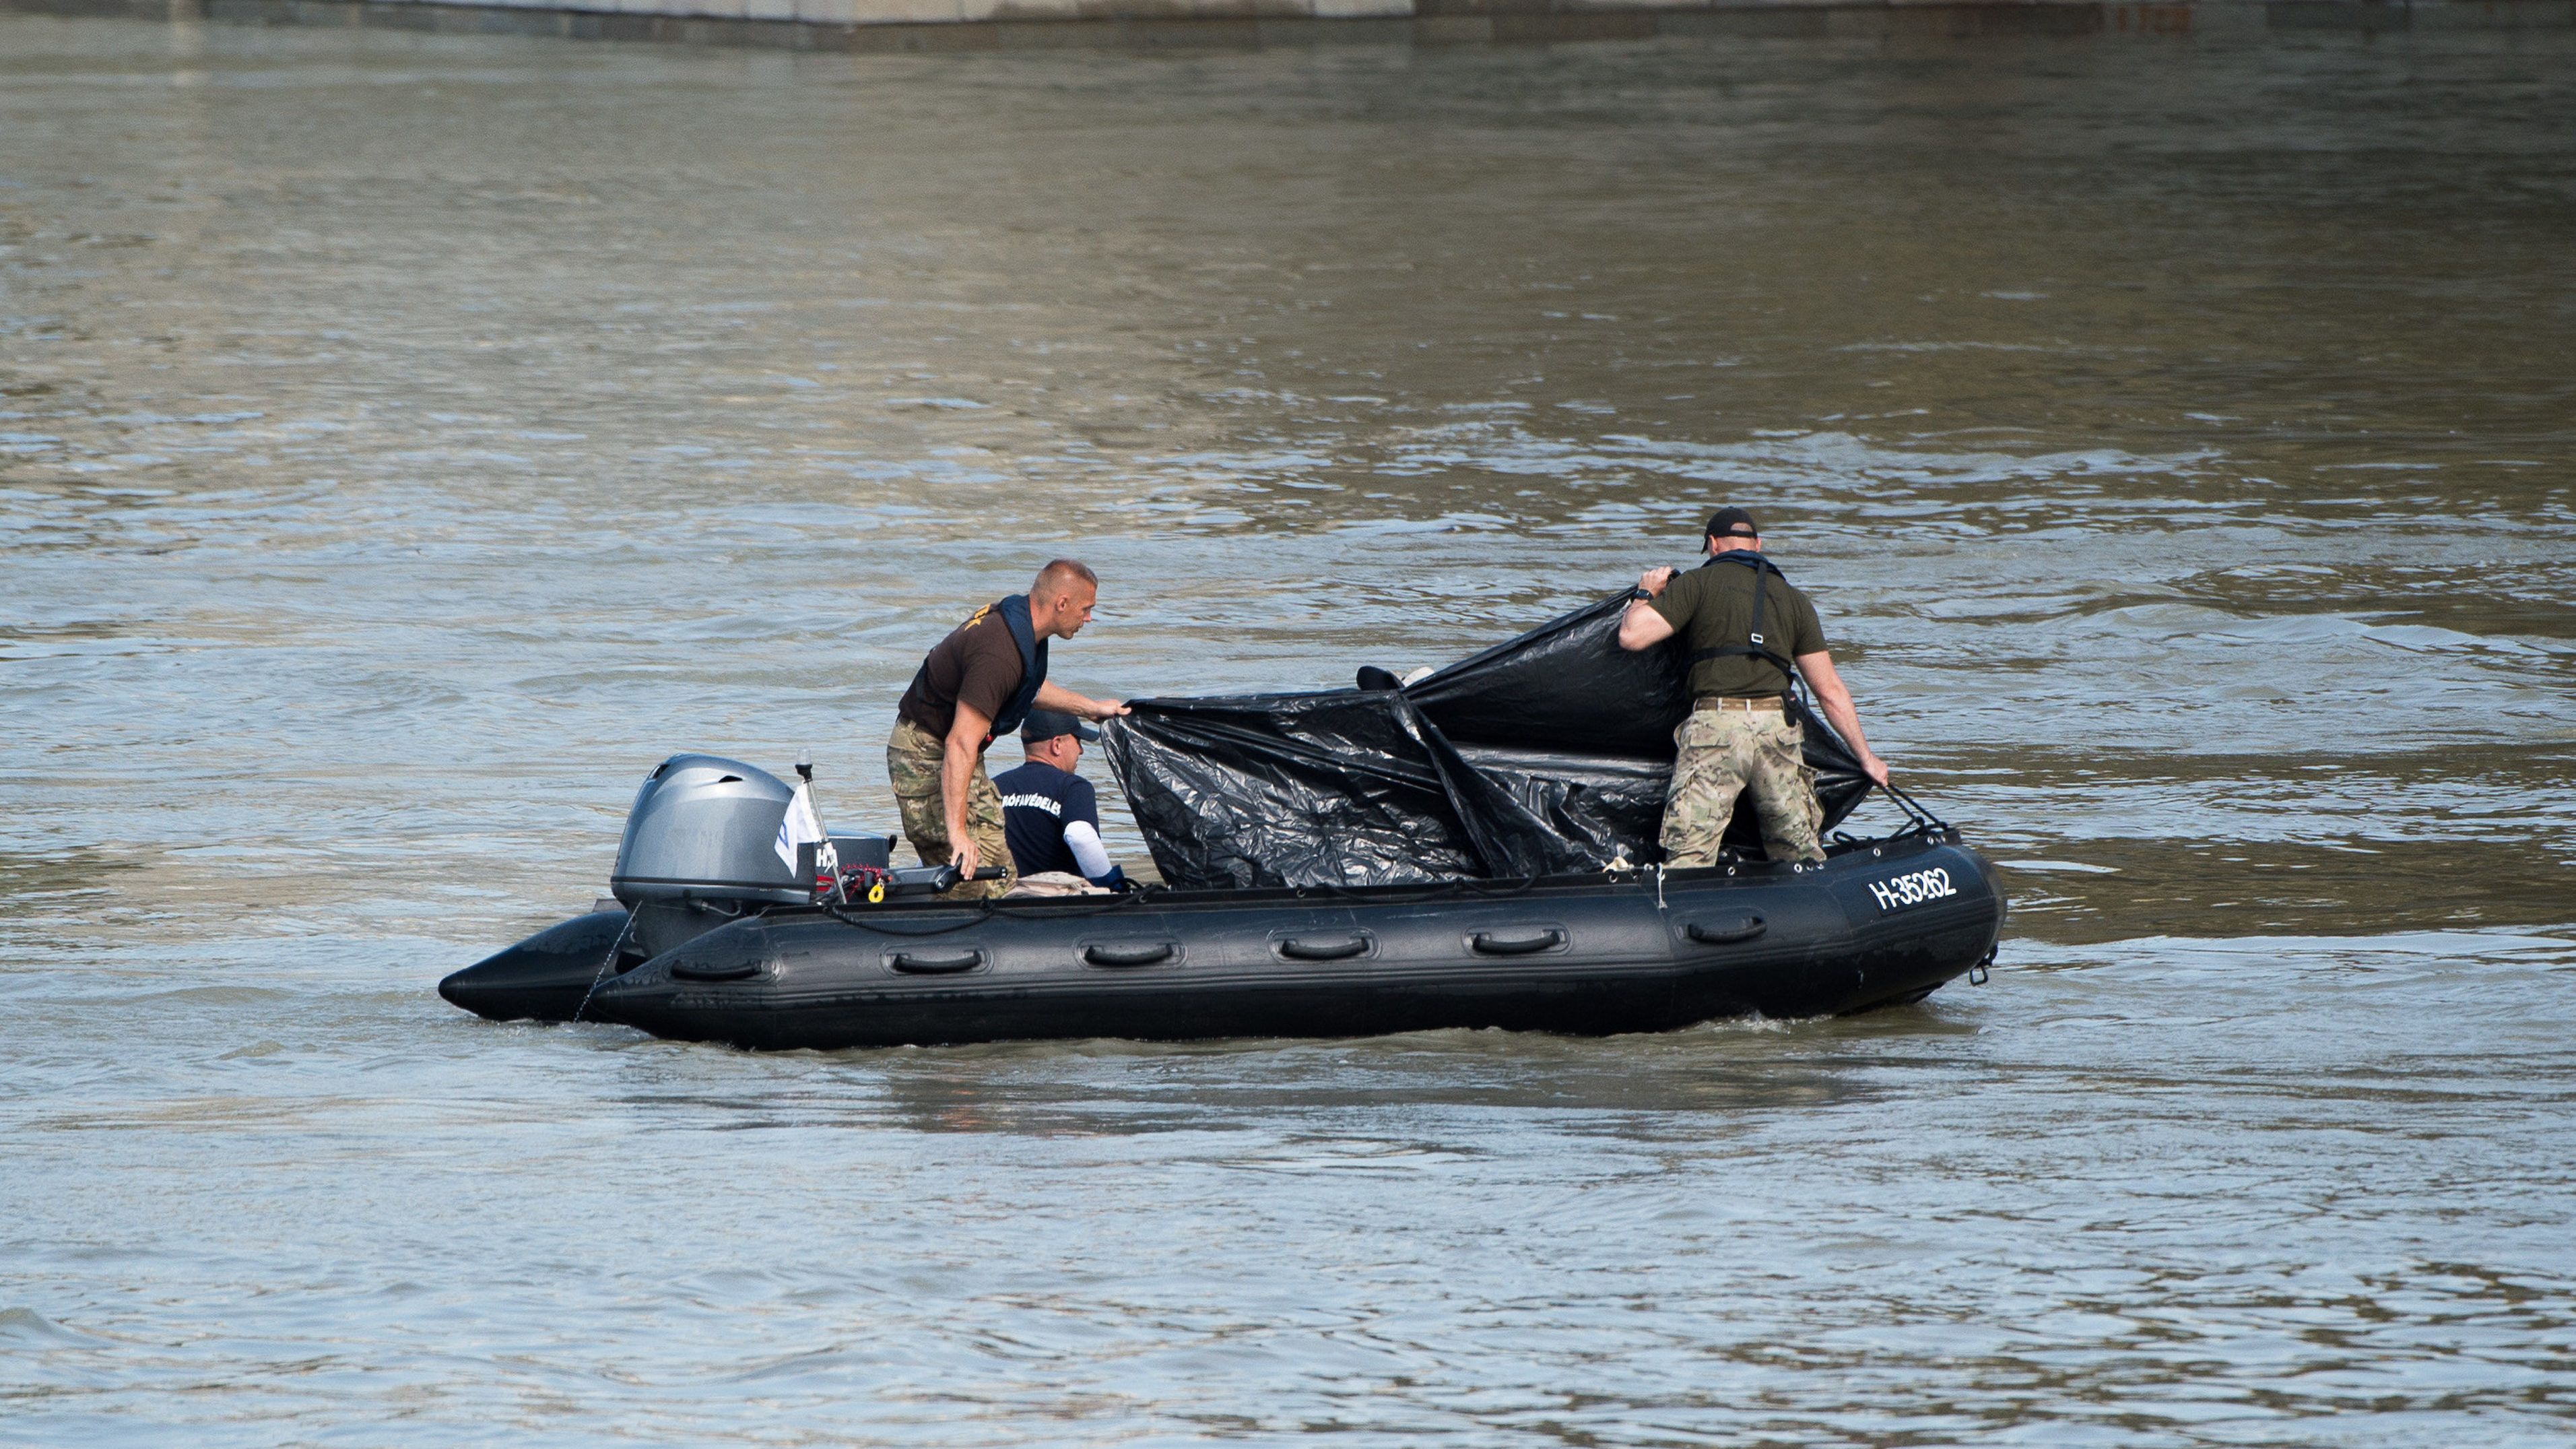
{"type": "Point", "coordinates": [1046, 724]}
{"type": "Point", "coordinates": [1732, 523]}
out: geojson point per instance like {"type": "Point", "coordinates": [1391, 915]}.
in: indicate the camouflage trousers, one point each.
{"type": "Point", "coordinates": [914, 759]}
{"type": "Point", "coordinates": [1725, 753]}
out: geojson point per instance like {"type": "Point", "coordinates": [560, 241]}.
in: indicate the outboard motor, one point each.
{"type": "Point", "coordinates": [701, 848]}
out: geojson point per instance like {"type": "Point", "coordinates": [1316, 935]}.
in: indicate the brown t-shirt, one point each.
{"type": "Point", "coordinates": [977, 664]}
{"type": "Point", "coordinates": [1712, 605]}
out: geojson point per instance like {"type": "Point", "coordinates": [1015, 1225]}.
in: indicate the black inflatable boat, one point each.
{"type": "Point", "coordinates": [1877, 925]}
{"type": "Point", "coordinates": [1459, 852]}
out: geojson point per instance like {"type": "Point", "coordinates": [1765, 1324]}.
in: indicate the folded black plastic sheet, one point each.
{"type": "Point", "coordinates": [1565, 686]}
{"type": "Point", "coordinates": [1350, 787]}
{"type": "Point", "coordinates": [1601, 806]}
{"type": "Point", "coordinates": [1548, 754]}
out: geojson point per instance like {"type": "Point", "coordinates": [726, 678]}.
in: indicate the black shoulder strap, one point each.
{"type": "Point", "coordinates": [1760, 647]}
{"type": "Point", "coordinates": [1033, 663]}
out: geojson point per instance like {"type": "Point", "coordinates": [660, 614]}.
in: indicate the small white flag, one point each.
{"type": "Point", "coordinates": [801, 827]}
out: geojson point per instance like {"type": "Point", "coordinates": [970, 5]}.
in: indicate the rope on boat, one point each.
{"type": "Point", "coordinates": [604, 963]}
{"type": "Point", "coordinates": [1915, 810]}
{"type": "Point", "coordinates": [984, 911]}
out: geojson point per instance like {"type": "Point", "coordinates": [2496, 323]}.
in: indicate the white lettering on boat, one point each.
{"type": "Point", "coordinates": [1897, 892]}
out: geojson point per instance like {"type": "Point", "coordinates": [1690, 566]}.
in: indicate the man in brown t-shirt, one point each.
{"type": "Point", "coordinates": [980, 682]}
{"type": "Point", "coordinates": [1737, 739]}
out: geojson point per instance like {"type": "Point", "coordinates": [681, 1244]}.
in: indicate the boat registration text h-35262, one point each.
{"type": "Point", "coordinates": [1913, 889]}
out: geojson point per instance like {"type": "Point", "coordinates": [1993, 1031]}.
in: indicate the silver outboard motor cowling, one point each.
{"type": "Point", "coordinates": [705, 828]}
{"type": "Point", "coordinates": [701, 849]}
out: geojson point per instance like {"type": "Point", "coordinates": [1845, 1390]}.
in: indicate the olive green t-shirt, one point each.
{"type": "Point", "coordinates": [1712, 605]}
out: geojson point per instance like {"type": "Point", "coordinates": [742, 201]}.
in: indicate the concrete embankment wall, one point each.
{"type": "Point", "coordinates": [876, 25]}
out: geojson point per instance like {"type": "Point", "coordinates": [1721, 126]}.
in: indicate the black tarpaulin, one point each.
{"type": "Point", "coordinates": [1598, 804]}
{"type": "Point", "coordinates": [1565, 685]}
{"type": "Point", "coordinates": [1350, 787]}
{"type": "Point", "coordinates": [1547, 754]}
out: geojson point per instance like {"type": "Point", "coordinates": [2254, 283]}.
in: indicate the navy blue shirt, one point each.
{"type": "Point", "coordinates": [1038, 802]}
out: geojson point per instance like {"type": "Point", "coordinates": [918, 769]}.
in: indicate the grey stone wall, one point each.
{"type": "Point", "coordinates": [997, 24]}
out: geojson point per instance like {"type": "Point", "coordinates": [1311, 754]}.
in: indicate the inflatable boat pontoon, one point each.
{"type": "Point", "coordinates": [1453, 852]}
{"type": "Point", "coordinates": [716, 940]}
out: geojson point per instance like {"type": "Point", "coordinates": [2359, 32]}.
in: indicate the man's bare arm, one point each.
{"type": "Point", "coordinates": [957, 767]}
{"type": "Point", "coordinates": [1054, 696]}
{"type": "Point", "coordinates": [1641, 627]}
{"type": "Point", "coordinates": [1837, 703]}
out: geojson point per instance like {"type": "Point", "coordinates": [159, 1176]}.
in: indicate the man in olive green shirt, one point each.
{"type": "Point", "coordinates": [1744, 628]}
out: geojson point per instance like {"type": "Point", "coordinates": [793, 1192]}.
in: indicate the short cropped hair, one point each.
{"type": "Point", "coordinates": [1060, 574]}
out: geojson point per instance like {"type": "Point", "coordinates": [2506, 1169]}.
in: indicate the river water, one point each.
{"type": "Point", "coordinates": [404, 443]}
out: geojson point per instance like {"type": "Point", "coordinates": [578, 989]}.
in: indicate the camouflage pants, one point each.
{"type": "Point", "coordinates": [914, 759]}
{"type": "Point", "coordinates": [1725, 753]}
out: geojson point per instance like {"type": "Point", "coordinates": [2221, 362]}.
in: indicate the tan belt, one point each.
{"type": "Point", "coordinates": [1731, 701]}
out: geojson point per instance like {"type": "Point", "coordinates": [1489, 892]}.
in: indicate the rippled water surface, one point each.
{"type": "Point", "coordinates": [404, 443]}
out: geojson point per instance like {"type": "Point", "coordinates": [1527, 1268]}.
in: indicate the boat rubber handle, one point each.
{"type": "Point", "coordinates": [1486, 943]}
{"type": "Point", "coordinates": [933, 963]}
{"type": "Point", "coordinates": [1336, 949]}
{"type": "Point", "coordinates": [1727, 931]}
{"type": "Point", "coordinates": [1140, 953]}
{"type": "Point", "coordinates": [714, 970]}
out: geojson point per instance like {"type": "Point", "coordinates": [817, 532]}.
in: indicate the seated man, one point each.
{"type": "Point", "coordinates": [1050, 815]}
